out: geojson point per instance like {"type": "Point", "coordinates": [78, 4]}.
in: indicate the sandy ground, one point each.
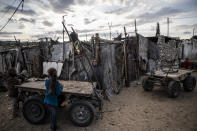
{"type": "Point", "coordinates": [131, 110]}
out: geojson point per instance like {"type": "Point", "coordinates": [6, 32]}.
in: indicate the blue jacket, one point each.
{"type": "Point", "coordinates": [51, 98]}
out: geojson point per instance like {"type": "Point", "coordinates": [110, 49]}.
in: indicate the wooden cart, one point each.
{"type": "Point", "coordinates": [170, 81]}
{"type": "Point", "coordinates": [83, 97]}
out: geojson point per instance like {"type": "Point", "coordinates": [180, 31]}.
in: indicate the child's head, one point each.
{"type": "Point", "coordinates": [12, 72]}
{"type": "Point", "coordinates": [186, 59]}
{"type": "Point", "coordinates": [52, 73]}
{"type": "Point", "coordinates": [94, 62]}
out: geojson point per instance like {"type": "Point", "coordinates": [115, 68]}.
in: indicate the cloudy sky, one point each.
{"type": "Point", "coordinates": [42, 18]}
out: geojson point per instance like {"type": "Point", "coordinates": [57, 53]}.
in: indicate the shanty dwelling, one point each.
{"type": "Point", "coordinates": [35, 58]}
{"type": "Point", "coordinates": [132, 61]}
{"type": "Point", "coordinates": [7, 58]}
{"type": "Point", "coordinates": [142, 55]}
{"type": "Point", "coordinates": [8, 55]}
{"type": "Point", "coordinates": [112, 62]}
{"type": "Point", "coordinates": [55, 55]}
{"type": "Point", "coordinates": [153, 53]}
{"type": "Point", "coordinates": [45, 55]}
{"type": "Point", "coordinates": [190, 50]}
{"type": "Point", "coordinates": [31, 56]}
{"type": "Point", "coordinates": [109, 55]}
{"type": "Point", "coordinates": [162, 51]}
{"type": "Point", "coordinates": [148, 52]}
{"type": "Point", "coordinates": [120, 60]}
{"type": "Point", "coordinates": [77, 67]}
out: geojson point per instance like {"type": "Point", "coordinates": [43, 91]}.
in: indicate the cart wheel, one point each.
{"type": "Point", "coordinates": [82, 113]}
{"type": "Point", "coordinates": [174, 89]}
{"type": "Point", "coordinates": [34, 110]}
{"type": "Point", "coordinates": [147, 84]}
{"type": "Point", "coordinates": [189, 83]}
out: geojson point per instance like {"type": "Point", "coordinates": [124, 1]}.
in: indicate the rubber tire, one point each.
{"type": "Point", "coordinates": [189, 83]}
{"type": "Point", "coordinates": [38, 101]}
{"type": "Point", "coordinates": [91, 109]}
{"type": "Point", "coordinates": [146, 84]}
{"type": "Point", "coordinates": [174, 88]}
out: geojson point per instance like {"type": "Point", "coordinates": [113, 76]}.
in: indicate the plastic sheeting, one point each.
{"type": "Point", "coordinates": [56, 65]}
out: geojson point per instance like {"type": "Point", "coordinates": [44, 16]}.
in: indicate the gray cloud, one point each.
{"type": "Point", "coordinates": [47, 23]}
{"type": "Point", "coordinates": [61, 5]}
{"type": "Point", "coordinates": [28, 12]}
{"type": "Point", "coordinates": [118, 25]}
{"type": "Point", "coordinates": [70, 25]}
{"type": "Point", "coordinates": [152, 17]}
{"type": "Point", "coordinates": [39, 36]}
{"type": "Point", "coordinates": [189, 5]}
{"type": "Point", "coordinates": [31, 20]}
{"type": "Point", "coordinates": [10, 33]}
{"type": "Point", "coordinates": [44, 3]}
{"type": "Point", "coordinates": [21, 26]}
{"type": "Point", "coordinates": [49, 34]}
{"type": "Point", "coordinates": [88, 21]}
{"type": "Point", "coordinates": [55, 32]}
{"type": "Point", "coordinates": [81, 2]}
{"type": "Point", "coordinates": [183, 27]}
{"type": "Point", "coordinates": [166, 11]}
{"type": "Point", "coordinates": [193, 3]}
{"type": "Point", "coordinates": [85, 2]}
{"type": "Point", "coordinates": [85, 30]}
{"type": "Point", "coordinates": [125, 6]}
{"type": "Point", "coordinates": [118, 11]}
{"type": "Point", "coordinates": [187, 33]}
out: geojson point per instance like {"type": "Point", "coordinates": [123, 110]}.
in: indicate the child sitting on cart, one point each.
{"type": "Point", "coordinates": [187, 64]}
{"type": "Point", "coordinates": [13, 92]}
{"type": "Point", "coordinates": [53, 89]}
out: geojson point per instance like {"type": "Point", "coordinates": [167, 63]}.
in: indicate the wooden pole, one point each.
{"type": "Point", "coordinates": [125, 55]}
{"type": "Point", "coordinates": [168, 22]}
{"type": "Point", "coordinates": [110, 29]}
{"type": "Point", "coordinates": [73, 49]}
{"type": "Point", "coordinates": [135, 26]}
{"type": "Point", "coordinates": [97, 47]}
{"type": "Point", "coordinates": [63, 40]}
{"type": "Point", "coordinates": [193, 31]}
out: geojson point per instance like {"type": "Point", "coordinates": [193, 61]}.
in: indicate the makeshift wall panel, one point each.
{"type": "Point", "coordinates": [190, 49]}
{"type": "Point", "coordinates": [56, 65]}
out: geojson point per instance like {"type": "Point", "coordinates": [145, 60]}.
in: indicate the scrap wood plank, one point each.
{"type": "Point", "coordinates": [69, 87]}
{"type": "Point", "coordinates": [180, 73]}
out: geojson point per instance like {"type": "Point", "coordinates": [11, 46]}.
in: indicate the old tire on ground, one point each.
{"type": "Point", "coordinates": [34, 110]}
{"type": "Point", "coordinates": [189, 83]}
{"type": "Point", "coordinates": [147, 84]}
{"type": "Point", "coordinates": [81, 113]}
{"type": "Point", "coordinates": [174, 89]}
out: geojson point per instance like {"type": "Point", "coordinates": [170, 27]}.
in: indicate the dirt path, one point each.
{"type": "Point", "coordinates": [131, 110]}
